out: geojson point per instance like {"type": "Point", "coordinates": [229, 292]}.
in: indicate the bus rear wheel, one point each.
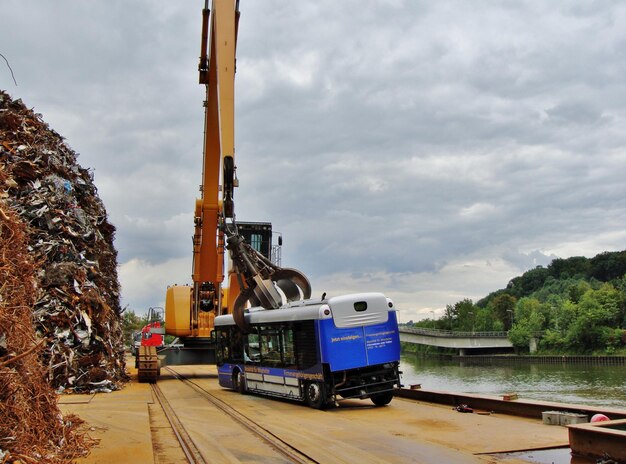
{"type": "Point", "coordinates": [382, 398]}
{"type": "Point", "coordinates": [315, 395]}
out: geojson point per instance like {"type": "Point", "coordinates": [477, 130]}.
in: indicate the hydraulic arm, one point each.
{"type": "Point", "coordinates": [252, 278]}
{"type": "Point", "coordinates": [260, 280]}
{"type": "Point", "coordinates": [217, 74]}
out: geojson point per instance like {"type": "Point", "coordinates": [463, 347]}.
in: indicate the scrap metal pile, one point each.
{"type": "Point", "coordinates": [31, 426]}
{"type": "Point", "coordinates": [71, 242]}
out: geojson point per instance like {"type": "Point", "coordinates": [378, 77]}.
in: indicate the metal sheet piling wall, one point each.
{"type": "Point", "coordinates": [489, 359]}
{"type": "Point", "coordinates": [523, 408]}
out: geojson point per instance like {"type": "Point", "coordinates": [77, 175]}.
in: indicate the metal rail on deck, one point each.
{"type": "Point", "coordinates": [186, 443]}
{"type": "Point", "coordinates": [281, 446]}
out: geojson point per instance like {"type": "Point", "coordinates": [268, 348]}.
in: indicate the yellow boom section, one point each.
{"type": "Point", "coordinates": [253, 278]}
{"type": "Point", "coordinates": [217, 73]}
{"type": "Point", "coordinates": [187, 308]}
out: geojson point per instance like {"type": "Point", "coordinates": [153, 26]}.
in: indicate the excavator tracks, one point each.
{"type": "Point", "coordinates": [147, 364]}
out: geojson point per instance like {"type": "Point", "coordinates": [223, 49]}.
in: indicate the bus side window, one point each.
{"type": "Point", "coordinates": [289, 355]}
{"type": "Point", "coordinates": [269, 345]}
{"type": "Point", "coordinates": [305, 344]}
{"type": "Point", "coordinates": [236, 345]}
{"type": "Point", "coordinates": [252, 348]}
{"type": "Point", "coordinates": [223, 346]}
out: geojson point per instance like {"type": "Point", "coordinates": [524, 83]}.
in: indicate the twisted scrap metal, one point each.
{"type": "Point", "coordinates": [32, 429]}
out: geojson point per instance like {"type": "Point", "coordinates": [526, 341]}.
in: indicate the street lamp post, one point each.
{"type": "Point", "coordinates": [510, 311]}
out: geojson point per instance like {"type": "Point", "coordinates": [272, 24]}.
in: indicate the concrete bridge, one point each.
{"type": "Point", "coordinates": [461, 341]}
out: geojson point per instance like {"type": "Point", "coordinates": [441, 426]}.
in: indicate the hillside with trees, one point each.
{"type": "Point", "coordinates": [575, 305]}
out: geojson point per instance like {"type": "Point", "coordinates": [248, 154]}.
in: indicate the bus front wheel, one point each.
{"type": "Point", "coordinates": [314, 395]}
{"type": "Point", "coordinates": [382, 398]}
{"type": "Point", "coordinates": [239, 382]}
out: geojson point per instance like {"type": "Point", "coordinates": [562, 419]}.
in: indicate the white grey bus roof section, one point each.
{"type": "Point", "coordinates": [266, 316]}
{"type": "Point", "coordinates": [360, 309]}
{"type": "Point", "coordinates": [342, 307]}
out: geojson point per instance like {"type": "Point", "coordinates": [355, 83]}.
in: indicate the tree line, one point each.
{"type": "Point", "coordinates": [132, 322]}
{"type": "Point", "coordinates": [573, 306]}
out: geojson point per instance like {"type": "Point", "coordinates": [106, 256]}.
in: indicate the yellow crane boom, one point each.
{"type": "Point", "coordinates": [253, 278]}
{"type": "Point", "coordinates": [217, 74]}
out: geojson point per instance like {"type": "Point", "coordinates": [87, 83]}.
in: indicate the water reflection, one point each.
{"type": "Point", "coordinates": [548, 456]}
{"type": "Point", "coordinates": [581, 384]}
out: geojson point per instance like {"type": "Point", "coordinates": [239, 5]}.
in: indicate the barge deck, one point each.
{"type": "Point", "coordinates": [132, 427]}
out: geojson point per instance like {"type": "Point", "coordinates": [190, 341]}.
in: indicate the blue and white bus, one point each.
{"type": "Point", "coordinates": [317, 351]}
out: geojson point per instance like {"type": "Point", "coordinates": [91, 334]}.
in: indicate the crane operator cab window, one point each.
{"type": "Point", "coordinates": [256, 242]}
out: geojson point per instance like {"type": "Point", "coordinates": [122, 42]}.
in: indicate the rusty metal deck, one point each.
{"type": "Point", "coordinates": [408, 430]}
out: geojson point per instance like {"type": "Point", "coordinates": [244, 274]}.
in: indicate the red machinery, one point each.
{"type": "Point", "coordinates": [150, 336]}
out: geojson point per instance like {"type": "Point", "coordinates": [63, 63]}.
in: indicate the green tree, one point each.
{"type": "Point", "coordinates": [502, 308]}
{"type": "Point", "coordinates": [519, 335]}
{"type": "Point", "coordinates": [576, 266]}
{"type": "Point", "coordinates": [620, 285]}
{"type": "Point", "coordinates": [449, 318]}
{"type": "Point", "coordinates": [566, 316]}
{"type": "Point", "coordinates": [608, 265]}
{"type": "Point", "coordinates": [460, 316]}
{"type": "Point", "coordinates": [131, 323]}
{"type": "Point", "coordinates": [528, 282]}
{"type": "Point", "coordinates": [577, 290]}
{"type": "Point", "coordinates": [530, 319]}
{"type": "Point", "coordinates": [593, 320]}
{"type": "Point", "coordinates": [553, 340]}
{"type": "Point", "coordinates": [603, 306]}
{"type": "Point", "coordinates": [485, 322]}
{"type": "Point", "coordinates": [466, 315]}
{"type": "Point", "coordinates": [525, 307]}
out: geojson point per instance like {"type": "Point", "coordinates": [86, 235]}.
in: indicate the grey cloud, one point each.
{"type": "Point", "coordinates": [576, 113]}
{"type": "Point", "coordinates": [396, 136]}
{"type": "Point", "coordinates": [525, 261]}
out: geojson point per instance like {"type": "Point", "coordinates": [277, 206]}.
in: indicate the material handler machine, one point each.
{"type": "Point", "coordinates": [252, 277]}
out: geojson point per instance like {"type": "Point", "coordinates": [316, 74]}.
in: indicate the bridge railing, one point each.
{"type": "Point", "coordinates": [452, 333]}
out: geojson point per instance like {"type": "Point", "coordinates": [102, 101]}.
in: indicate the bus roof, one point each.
{"type": "Point", "coordinates": [372, 308]}
{"type": "Point", "coordinates": [282, 314]}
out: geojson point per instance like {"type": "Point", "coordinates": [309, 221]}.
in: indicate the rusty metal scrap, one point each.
{"type": "Point", "coordinates": [76, 293]}
{"type": "Point", "coordinates": [32, 428]}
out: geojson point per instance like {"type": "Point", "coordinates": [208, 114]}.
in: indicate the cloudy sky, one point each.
{"type": "Point", "coordinates": [428, 150]}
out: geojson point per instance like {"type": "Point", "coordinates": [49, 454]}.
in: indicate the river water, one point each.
{"type": "Point", "coordinates": [603, 386]}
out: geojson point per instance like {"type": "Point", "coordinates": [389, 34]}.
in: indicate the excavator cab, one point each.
{"type": "Point", "coordinates": [259, 236]}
